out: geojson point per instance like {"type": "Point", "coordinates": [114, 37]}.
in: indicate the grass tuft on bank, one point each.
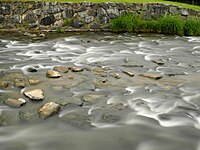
{"type": "Point", "coordinates": [169, 25]}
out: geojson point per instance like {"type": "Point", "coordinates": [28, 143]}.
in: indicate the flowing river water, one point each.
{"type": "Point", "coordinates": [100, 111]}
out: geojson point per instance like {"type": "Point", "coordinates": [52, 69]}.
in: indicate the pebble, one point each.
{"type": "Point", "coordinates": [116, 75]}
{"type": "Point", "coordinates": [76, 69]}
{"type": "Point", "coordinates": [48, 109]}
{"type": "Point", "coordinates": [36, 94]}
{"type": "Point", "coordinates": [151, 76]}
{"type": "Point", "coordinates": [53, 74]}
{"type": "Point", "coordinates": [15, 102]}
{"type": "Point", "coordinates": [32, 81]}
{"type": "Point", "coordinates": [100, 69]}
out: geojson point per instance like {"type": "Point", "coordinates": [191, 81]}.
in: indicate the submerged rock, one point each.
{"type": "Point", "coordinates": [151, 76]}
{"type": "Point", "coordinates": [49, 109]}
{"type": "Point", "coordinates": [71, 77]}
{"type": "Point", "coordinates": [91, 97]}
{"type": "Point", "coordinates": [62, 69]}
{"type": "Point", "coordinates": [15, 102]}
{"type": "Point", "coordinates": [129, 73]}
{"type": "Point", "coordinates": [21, 83]}
{"type": "Point", "coordinates": [53, 74]}
{"type": "Point", "coordinates": [27, 115]}
{"type": "Point", "coordinates": [106, 118]}
{"type": "Point", "coordinates": [77, 119]}
{"type": "Point", "coordinates": [3, 84]}
{"type": "Point", "coordinates": [36, 94]}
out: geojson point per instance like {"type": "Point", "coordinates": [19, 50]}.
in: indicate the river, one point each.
{"type": "Point", "coordinates": [100, 111]}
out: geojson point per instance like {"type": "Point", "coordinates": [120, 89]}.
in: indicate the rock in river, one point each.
{"type": "Point", "coordinates": [77, 69]}
{"type": "Point", "coordinates": [15, 102]}
{"type": "Point", "coordinates": [34, 81]}
{"type": "Point", "coordinates": [131, 74]}
{"type": "Point", "coordinates": [53, 74]}
{"type": "Point", "coordinates": [48, 109]}
{"type": "Point", "coordinates": [36, 94]}
{"type": "Point", "coordinates": [158, 62]}
{"type": "Point", "coordinates": [151, 76]}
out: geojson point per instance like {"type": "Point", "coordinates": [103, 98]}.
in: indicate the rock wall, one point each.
{"type": "Point", "coordinates": [85, 16]}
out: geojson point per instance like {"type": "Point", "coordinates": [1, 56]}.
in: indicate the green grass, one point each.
{"type": "Point", "coordinates": [128, 22]}
{"type": "Point", "coordinates": [127, 1]}
{"type": "Point", "coordinates": [170, 25]}
{"type": "Point", "coordinates": [192, 27]}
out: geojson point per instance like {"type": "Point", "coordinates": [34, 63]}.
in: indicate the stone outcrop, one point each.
{"type": "Point", "coordinates": [85, 16]}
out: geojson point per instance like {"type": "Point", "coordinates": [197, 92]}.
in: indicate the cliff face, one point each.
{"type": "Point", "coordinates": [83, 16]}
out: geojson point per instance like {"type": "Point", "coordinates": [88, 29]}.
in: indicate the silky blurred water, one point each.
{"type": "Point", "coordinates": [159, 115]}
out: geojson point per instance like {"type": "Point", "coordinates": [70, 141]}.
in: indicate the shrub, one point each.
{"type": "Point", "coordinates": [172, 25]}
{"type": "Point", "coordinates": [192, 27]}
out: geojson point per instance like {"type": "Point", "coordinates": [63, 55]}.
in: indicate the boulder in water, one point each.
{"type": "Point", "coordinates": [36, 94]}
{"type": "Point", "coordinates": [48, 109]}
{"type": "Point", "coordinates": [53, 74]}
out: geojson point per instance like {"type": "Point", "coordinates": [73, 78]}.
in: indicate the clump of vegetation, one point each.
{"type": "Point", "coordinates": [192, 27]}
{"type": "Point", "coordinates": [150, 26]}
{"type": "Point", "coordinates": [60, 30]}
{"type": "Point", "coordinates": [127, 22]}
{"type": "Point", "coordinates": [67, 22]}
{"type": "Point", "coordinates": [171, 25]}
